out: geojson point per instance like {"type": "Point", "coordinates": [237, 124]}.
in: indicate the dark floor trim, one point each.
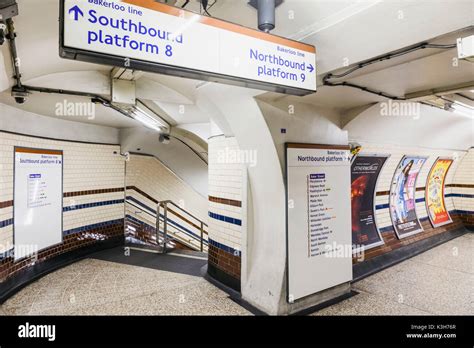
{"type": "Point", "coordinates": [381, 262]}
{"type": "Point", "coordinates": [318, 307]}
{"type": "Point", "coordinates": [17, 282]}
{"type": "Point", "coordinates": [234, 295]}
{"type": "Point", "coordinates": [223, 277]}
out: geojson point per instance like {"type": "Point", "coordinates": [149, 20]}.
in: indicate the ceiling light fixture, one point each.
{"type": "Point", "coordinates": [148, 120]}
{"type": "Point", "coordinates": [462, 109]}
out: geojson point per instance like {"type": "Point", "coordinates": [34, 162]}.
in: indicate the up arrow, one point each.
{"type": "Point", "coordinates": [77, 11]}
{"type": "Point", "coordinates": [311, 68]}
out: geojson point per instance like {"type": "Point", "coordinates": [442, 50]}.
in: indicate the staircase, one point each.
{"type": "Point", "coordinates": [168, 227]}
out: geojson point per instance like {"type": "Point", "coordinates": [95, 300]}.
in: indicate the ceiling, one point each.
{"type": "Point", "coordinates": [328, 24]}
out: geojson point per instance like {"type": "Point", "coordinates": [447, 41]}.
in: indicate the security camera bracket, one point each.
{"type": "Point", "coordinates": [8, 9]}
{"type": "Point", "coordinates": [254, 3]}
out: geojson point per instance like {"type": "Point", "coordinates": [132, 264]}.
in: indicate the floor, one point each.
{"type": "Point", "coordinates": [439, 281]}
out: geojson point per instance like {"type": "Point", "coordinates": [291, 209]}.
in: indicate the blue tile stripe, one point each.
{"type": "Point", "coordinates": [172, 222]}
{"type": "Point", "coordinates": [462, 195]}
{"type": "Point", "coordinates": [419, 200]}
{"type": "Point", "coordinates": [92, 205]}
{"type": "Point", "coordinates": [464, 212]}
{"type": "Point", "coordinates": [225, 219]}
{"type": "Point", "coordinates": [382, 206]}
{"type": "Point", "coordinates": [6, 254]}
{"type": "Point", "coordinates": [387, 205]}
{"type": "Point", "coordinates": [141, 204]}
{"type": "Point", "coordinates": [6, 223]}
{"type": "Point", "coordinates": [92, 227]}
{"type": "Point", "coordinates": [226, 248]}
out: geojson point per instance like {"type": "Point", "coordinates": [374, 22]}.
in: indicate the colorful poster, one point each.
{"type": "Point", "coordinates": [434, 193]}
{"type": "Point", "coordinates": [402, 197]}
{"type": "Point", "coordinates": [364, 174]}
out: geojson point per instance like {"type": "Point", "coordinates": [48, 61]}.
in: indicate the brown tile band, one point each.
{"type": "Point", "coordinates": [226, 262]}
{"type": "Point", "coordinates": [143, 193]}
{"type": "Point", "coordinates": [6, 204]}
{"type": "Point", "coordinates": [382, 193]}
{"type": "Point", "coordinates": [187, 220]}
{"type": "Point", "coordinates": [461, 185]}
{"type": "Point", "coordinates": [225, 201]}
{"type": "Point", "coordinates": [386, 193]}
{"type": "Point", "coordinates": [93, 192]}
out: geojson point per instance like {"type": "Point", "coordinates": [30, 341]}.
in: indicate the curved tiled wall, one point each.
{"type": "Point", "coordinates": [92, 209]}
{"type": "Point", "coordinates": [383, 220]}
{"type": "Point", "coordinates": [226, 181]}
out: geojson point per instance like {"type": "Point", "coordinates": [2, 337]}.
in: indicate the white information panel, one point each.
{"type": "Point", "coordinates": [38, 197]}
{"type": "Point", "coordinates": [318, 219]}
{"type": "Point", "coordinates": [153, 32]}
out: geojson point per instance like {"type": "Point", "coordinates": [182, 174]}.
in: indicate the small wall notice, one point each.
{"type": "Point", "coordinates": [38, 200]}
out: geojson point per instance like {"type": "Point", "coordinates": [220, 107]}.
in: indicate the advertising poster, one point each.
{"type": "Point", "coordinates": [434, 193]}
{"type": "Point", "coordinates": [364, 174]}
{"type": "Point", "coordinates": [402, 196]}
{"type": "Point", "coordinates": [318, 218]}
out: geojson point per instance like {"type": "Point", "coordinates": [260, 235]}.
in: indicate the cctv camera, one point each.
{"type": "Point", "coordinates": [20, 94]}
{"type": "Point", "coordinates": [126, 155]}
{"type": "Point", "coordinates": [2, 34]}
{"type": "Point", "coordinates": [164, 139]}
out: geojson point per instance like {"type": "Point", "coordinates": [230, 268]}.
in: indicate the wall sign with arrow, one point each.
{"type": "Point", "coordinates": [151, 36]}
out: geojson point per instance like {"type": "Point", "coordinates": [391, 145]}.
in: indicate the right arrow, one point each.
{"type": "Point", "coordinates": [311, 68]}
{"type": "Point", "coordinates": [77, 11]}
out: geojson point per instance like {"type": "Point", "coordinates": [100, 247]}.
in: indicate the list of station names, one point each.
{"type": "Point", "coordinates": [37, 189]}
{"type": "Point", "coordinates": [320, 214]}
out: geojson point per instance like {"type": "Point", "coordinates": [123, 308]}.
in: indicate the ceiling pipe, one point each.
{"type": "Point", "coordinates": [266, 13]}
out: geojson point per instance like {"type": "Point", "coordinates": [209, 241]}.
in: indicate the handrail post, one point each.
{"type": "Point", "coordinates": [157, 223]}
{"type": "Point", "coordinates": [202, 236]}
{"type": "Point", "coordinates": [165, 225]}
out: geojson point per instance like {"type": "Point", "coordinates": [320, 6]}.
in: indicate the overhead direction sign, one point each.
{"type": "Point", "coordinates": [151, 36]}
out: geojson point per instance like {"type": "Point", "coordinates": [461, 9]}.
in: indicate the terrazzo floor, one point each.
{"type": "Point", "coordinates": [439, 281]}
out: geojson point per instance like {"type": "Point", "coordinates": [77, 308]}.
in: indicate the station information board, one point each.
{"type": "Point", "coordinates": [38, 200]}
{"type": "Point", "coordinates": [318, 218]}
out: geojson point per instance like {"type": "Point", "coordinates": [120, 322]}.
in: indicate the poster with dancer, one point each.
{"type": "Point", "coordinates": [402, 196]}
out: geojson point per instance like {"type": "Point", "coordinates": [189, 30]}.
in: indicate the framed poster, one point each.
{"type": "Point", "coordinates": [403, 196]}
{"type": "Point", "coordinates": [434, 192]}
{"type": "Point", "coordinates": [319, 244]}
{"type": "Point", "coordinates": [38, 200]}
{"type": "Point", "coordinates": [365, 171]}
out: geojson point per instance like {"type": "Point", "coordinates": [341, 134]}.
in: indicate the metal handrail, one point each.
{"type": "Point", "coordinates": [164, 204]}
{"type": "Point", "coordinates": [177, 206]}
{"type": "Point", "coordinates": [158, 219]}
